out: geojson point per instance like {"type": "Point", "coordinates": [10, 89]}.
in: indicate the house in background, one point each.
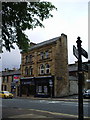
{"type": "Point", "coordinates": [88, 79]}
{"type": "Point", "coordinates": [73, 77]}
{"type": "Point", "coordinates": [44, 69]}
{"type": "Point", "coordinates": [10, 81]}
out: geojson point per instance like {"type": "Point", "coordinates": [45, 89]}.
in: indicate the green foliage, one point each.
{"type": "Point", "coordinates": [19, 16]}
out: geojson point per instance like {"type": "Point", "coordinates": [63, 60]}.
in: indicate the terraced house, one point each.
{"type": "Point", "coordinates": [44, 69]}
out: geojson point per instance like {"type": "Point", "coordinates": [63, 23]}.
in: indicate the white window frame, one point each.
{"type": "Point", "coordinates": [42, 69]}
{"type": "Point", "coordinates": [47, 68]}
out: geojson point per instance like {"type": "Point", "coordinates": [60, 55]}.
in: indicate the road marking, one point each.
{"type": "Point", "coordinates": [28, 116]}
{"type": "Point", "coordinates": [55, 113]}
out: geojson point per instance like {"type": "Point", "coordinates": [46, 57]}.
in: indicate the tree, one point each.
{"type": "Point", "coordinates": [19, 16]}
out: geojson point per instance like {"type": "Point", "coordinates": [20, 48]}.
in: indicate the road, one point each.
{"type": "Point", "coordinates": [16, 108]}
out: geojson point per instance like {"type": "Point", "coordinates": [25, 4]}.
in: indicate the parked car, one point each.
{"type": "Point", "coordinates": [6, 94]}
{"type": "Point", "coordinates": [86, 94]}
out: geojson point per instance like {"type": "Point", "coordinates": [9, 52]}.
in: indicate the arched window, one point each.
{"type": "Point", "coordinates": [47, 69]}
{"type": "Point", "coordinates": [31, 70]}
{"type": "Point", "coordinates": [42, 69]}
{"type": "Point", "coordinates": [26, 71]}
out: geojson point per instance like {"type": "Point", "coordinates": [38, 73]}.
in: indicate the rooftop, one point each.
{"type": "Point", "coordinates": [11, 72]}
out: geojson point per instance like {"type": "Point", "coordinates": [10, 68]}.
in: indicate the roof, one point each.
{"type": "Point", "coordinates": [44, 43]}
{"type": "Point", "coordinates": [72, 68]}
{"type": "Point", "coordinates": [11, 72]}
{"type": "Point", "coordinates": [47, 42]}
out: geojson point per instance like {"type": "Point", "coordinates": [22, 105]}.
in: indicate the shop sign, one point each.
{"type": "Point", "coordinates": [28, 82]}
{"type": "Point", "coordinates": [16, 78]}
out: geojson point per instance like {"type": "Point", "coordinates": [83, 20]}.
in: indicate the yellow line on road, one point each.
{"type": "Point", "coordinates": [55, 113]}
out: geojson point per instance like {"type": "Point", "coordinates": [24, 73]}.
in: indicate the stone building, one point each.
{"type": "Point", "coordinates": [73, 77]}
{"type": "Point", "coordinates": [10, 81]}
{"type": "Point", "coordinates": [88, 79]}
{"type": "Point", "coordinates": [44, 69]}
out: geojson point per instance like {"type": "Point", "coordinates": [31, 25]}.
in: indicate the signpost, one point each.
{"type": "Point", "coordinates": [75, 51]}
{"type": "Point", "coordinates": [78, 54]}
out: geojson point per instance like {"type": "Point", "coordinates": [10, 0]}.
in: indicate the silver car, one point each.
{"type": "Point", "coordinates": [86, 94]}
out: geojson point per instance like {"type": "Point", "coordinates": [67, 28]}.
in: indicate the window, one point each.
{"type": "Point", "coordinates": [30, 57]}
{"type": "Point", "coordinates": [46, 54]}
{"type": "Point", "coordinates": [39, 89]}
{"type": "Point", "coordinates": [31, 70]}
{"type": "Point", "coordinates": [5, 87]}
{"type": "Point", "coordinates": [45, 89]}
{"type": "Point", "coordinates": [3, 79]}
{"type": "Point", "coordinates": [42, 69]}
{"type": "Point", "coordinates": [7, 78]}
{"type": "Point", "coordinates": [47, 69]}
{"type": "Point", "coordinates": [26, 71]}
{"type": "Point", "coordinates": [42, 55]}
{"type": "Point", "coordinates": [26, 59]}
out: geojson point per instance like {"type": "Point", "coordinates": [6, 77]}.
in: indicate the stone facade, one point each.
{"type": "Point", "coordinates": [48, 59]}
{"type": "Point", "coordinates": [10, 82]}
{"type": "Point", "coordinates": [73, 77]}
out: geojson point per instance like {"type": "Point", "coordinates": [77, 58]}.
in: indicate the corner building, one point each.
{"type": "Point", "coordinates": [44, 69]}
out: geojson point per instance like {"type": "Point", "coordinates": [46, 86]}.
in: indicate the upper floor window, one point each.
{"type": "Point", "coordinates": [42, 69]}
{"type": "Point", "coordinates": [30, 58]}
{"type": "Point", "coordinates": [47, 69]}
{"type": "Point", "coordinates": [46, 54]}
{"type": "Point", "coordinates": [26, 71]}
{"type": "Point", "coordinates": [26, 59]}
{"type": "Point", "coordinates": [42, 55]}
{"type": "Point", "coordinates": [7, 78]}
{"type": "Point", "coordinates": [3, 78]}
{"type": "Point", "coordinates": [31, 70]}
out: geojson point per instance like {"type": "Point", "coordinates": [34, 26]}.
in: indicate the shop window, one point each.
{"type": "Point", "coordinates": [39, 89]}
{"type": "Point", "coordinates": [31, 70]}
{"type": "Point", "coordinates": [45, 89]}
{"type": "Point", "coordinates": [26, 71]}
{"type": "Point", "coordinates": [42, 69]}
{"type": "Point", "coordinates": [47, 68]}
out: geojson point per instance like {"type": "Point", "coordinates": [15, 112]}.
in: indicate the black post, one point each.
{"type": "Point", "coordinates": [80, 78]}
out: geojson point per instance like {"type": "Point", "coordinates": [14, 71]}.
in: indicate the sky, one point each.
{"type": "Point", "coordinates": [71, 18]}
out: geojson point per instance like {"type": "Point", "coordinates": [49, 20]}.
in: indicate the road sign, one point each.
{"type": "Point", "coordinates": [84, 53]}
{"type": "Point", "coordinates": [75, 51]}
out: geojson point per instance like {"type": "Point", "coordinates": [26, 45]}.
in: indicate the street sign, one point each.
{"type": "Point", "coordinates": [75, 52]}
{"type": "Point", "coordinates": [84, 53]}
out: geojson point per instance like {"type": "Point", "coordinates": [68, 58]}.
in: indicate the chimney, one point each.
{"type": "Point", "coordinates": [32, 44]}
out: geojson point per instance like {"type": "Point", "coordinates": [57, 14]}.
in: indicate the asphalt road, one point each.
{"type": "Point", "coordinates": [22, 108]}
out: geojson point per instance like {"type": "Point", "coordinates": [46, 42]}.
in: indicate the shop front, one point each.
{"type": "Point", "coordinates": [27, 87]}
{"type": "Point", "coordinates": [44, 86]}
{"type": "Point", "coordinates": [37, 86]}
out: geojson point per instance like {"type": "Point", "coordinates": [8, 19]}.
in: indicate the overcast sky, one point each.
{"type": "Point", "coordinates": [71, 18]}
